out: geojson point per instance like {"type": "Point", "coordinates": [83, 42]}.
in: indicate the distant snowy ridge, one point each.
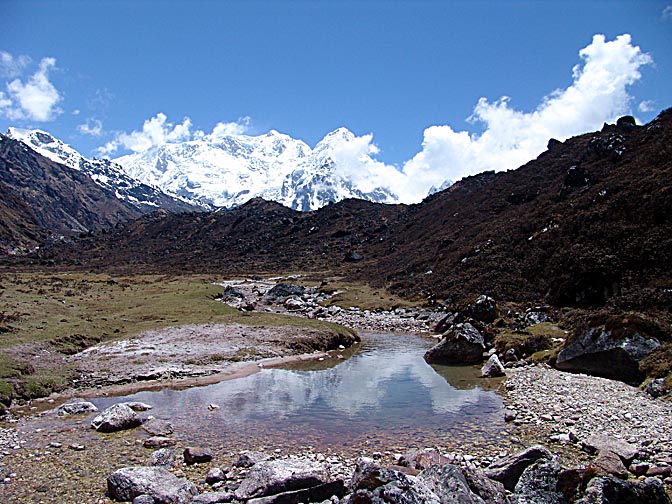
{"type": "Point", "coordinates": [226, 171]}
{"type": "Point", "coordinates": [107, 174]}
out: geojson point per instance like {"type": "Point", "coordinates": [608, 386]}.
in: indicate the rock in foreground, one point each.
{"type": "Point", "coordinates": [128, 483]}
{"type": "Point", "coordinates": [115, 418]}
{"type": "Point", "coordinates": [463, 344]}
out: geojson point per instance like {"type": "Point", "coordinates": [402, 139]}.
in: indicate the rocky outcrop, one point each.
{"type": "Point", "coordinates": [608, 351]}
{"type": "Point", "coordinates": [463, 344]}
{"type": "Point", "coordinates": [116, 418]}
{"type": "Point", "coordinates": [127, 483]}
{"type": "Point", "coordinates": [76, 408]}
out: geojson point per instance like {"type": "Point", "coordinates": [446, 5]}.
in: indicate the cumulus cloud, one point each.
{"type": "Point", "coordinates": [92, 127]}
{"type": "Point", "coordinates": [646, 106]}
{"type": "Point", "coordinates": [598, 93]}
{"type": "Point", "coordinates": [158, 131]}
{"type": "Point", "coordinates": [37, 98]}
{"type": "Point", "coordinates": [667, 12]}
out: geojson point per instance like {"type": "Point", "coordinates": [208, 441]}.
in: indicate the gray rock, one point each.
{"type": "Point", "coordinates": [76, 408]}
{"type": "Point", "coordinates": [449, 484]}
{"type": "Point", "coordinates": [276, 476]}
{"type": "Point", "coordinates": [373, 485]}
{"type": "Point", "coordinates": [509, 469]}
{"type": "Point", "coordinates": [484, 309]}
{"type": "Point", "coordinates": [213, 498]}
{"type": "Point", "coordinates": [319, 493]}
{"type": "Point", "coordinates": [463, 344]}
{"type": "Point", "coordinates": [607, 490]}
{"type": "Point", "coordinates": [493, 368]}
{"type": "Point", "coordinates": [157, 427]}
{"type": "Point", "coordinates": [127, 483]}
{"type": "Point", "coordinates": [163, 457]}
{"type": "Point", "coordinates": [602, 443]}
{"type": "Point", "coordinates": [138, 406]}
{"type": "Point", "coordinates": [249, 458]}
{"type": "Point", "coordinates": [115, 418]}
{"type": "Point", "coordinates": [143, 499]}
{"type": "Point", "coordinates": [491, 491]}
{"type": "Point", "coordinates": [422, 459]}
{"type": "Point", "coordinates": [197, 455]}
{"type": "Point", "coordinates": [656, 387]}
{"type": "Point", "coordinates": [282, 291]}
{"type": "Point", "coordinates": [510, 355]}
{"type": "Point", "coordinates": [159, 442]}
{"type": "Point", "coordinates": [215, 475]}
{"type": "Point", "coordinates": [539, 483]}
{"type": "Point", "coordinates": [610, 353]}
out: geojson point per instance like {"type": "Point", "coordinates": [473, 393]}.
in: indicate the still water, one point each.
{"type": "Point", "coordinates": [385, 389]}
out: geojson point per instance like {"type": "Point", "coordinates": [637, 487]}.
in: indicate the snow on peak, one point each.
{"type": "Point", "coordinates": [48, 146]}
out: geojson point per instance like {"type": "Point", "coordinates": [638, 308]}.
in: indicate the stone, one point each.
{"type": "Point", "coordinates": [603, 443]}
{"type": "Point", "coordinates": [271, 477]}
{"type": "Point", "coordinates": [422, 459]}
{"type": "Point", "coordinates": [484, 309]}
{"type": "Point", "coordinates": [510, 415]}
{"type": "Point", "coordinates": [656, 387]}
{"type": "Point", "coordinates": [159, 442]}
{"type": "Point", "coordinates": [493, 368]}
{"type": "Point", "coordinates": [536, 315]}
{"type": "Point", "coordinates": [449, 484]}
{"type": "Point", "coordinates": [143, 499]}
{"type": "Point", "coordinates": [249, 458]}
{"type": "Point", "coordinates": [282, 291]}
{"type": "Point", "coordinates": [491, 491]}
{"type": "Point", "coordinates": [138, 406]}
{"type": "Point", "coordinates": [157, 427]}
{"type": "Point", "coordinates": [163, 457]}
{"type": "Point", "coordinates": [639, 469]}
{"type": "Point", "coordinates": [372, 484]}
{"type": "Point", "coordinates": [353, 257]}
{"type": "Point", "coordinates": [76, 408]}
{"type": "Point", "coordinates": [510, 355]}
{"type": "Point", "coordinates": [463, 344]}
{"type": "Point", "coordinates": [626, 122]}
{"type": "Point", "coordinates": [608, 490]}
{"type": "Point", "coordinates": [659, 471]}
{"type": "Point", "coordinates": [197, 455]}
{"type": "Point", "coordinates": [127, 483]}
{"type": "Point", "coordinates": [611, 464]}
{"type": "Point", "coordinates": [116, 418]}
{"type": "Point", "coordinates": [608, 351]}
{"type": "Point", "coordinates": [215, 475]}
{"type": "Point", "coordinates": [508, 470]}
{"type": "Point", "coordinates": [213, 498]}
{"type": "Point", "coordinates": [319, 493]}
{"type": "Point", "coordinates": [539, 483]}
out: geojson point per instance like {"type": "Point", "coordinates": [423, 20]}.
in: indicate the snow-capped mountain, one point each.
{"type": "Point", "coordinates": [107, 174]}
{"type": "Point", "coordinates": [226, 171]}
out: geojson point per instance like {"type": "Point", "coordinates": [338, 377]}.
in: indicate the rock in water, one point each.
{"type": "Point", "coordinates": [462, 345]}
{"type": "Point", "coordinates": [127, 483]}
{"type": "Point", "coordinates": [196, 455]}
{"type": "Point", "coordinates": [76, 408]}
{"type": "Point", "coordinates": [115, 418]}
{"type": "Point", "coordinates": [493, 368]}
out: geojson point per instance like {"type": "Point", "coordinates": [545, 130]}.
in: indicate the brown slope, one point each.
{"type": "Point", "coordinates": [41, 198]}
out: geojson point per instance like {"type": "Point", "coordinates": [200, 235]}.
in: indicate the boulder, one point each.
{"type": "Point", "coordinates": [484, 309]}
{"type": "Point", "coordinates": [282, 291]}
{"type": "Point", "coordinates": [493, 368]}
{"type": "Point", "coordinates": [449, 484]}
{"type": "Point", "coordinates": [610, 463]}
{"type": "Point", "coordinates": [144, 499]}
{"type": "Point", "coordinates": [277, 476]}
{"type": "Point", "coordinates": [372, 484]}
{"type": "Point", "coordinates": [76, 408]}
{"type": "Point", "coordinates": [461, 345]}
{"type": "Point", "coordinates": [138, 406]}
{"type": "Point", "coordinates": [215, 475]}
{"type": "Point", "coordinates": [539, 483]}
{"type": "Point", "coordinates": [610, 352]}
{"type": "Point", "coordinates": [127, 483]}
{"type": "Point", "coordinates": [116, 418]}
{"type": "Point", "coordinates": [422, 459]}
{"type": "Point", "coordinates": [491, 491]}
{"type": "Point", "coordinates": [602, 443]}
{"type": "Point", "coordinates": [509, 469]}
{"type": "Point", "coordinates": [608, 490]}
{"type": "Point", "coordinates": [197, 455]}
{"type": "Point", "coordinates": [157, 427]}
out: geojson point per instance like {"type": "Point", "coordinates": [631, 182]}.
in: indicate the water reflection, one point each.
{"type": "Point", "coordinates": [385, 384]}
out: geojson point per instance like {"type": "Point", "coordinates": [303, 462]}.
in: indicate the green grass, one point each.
{"type": "Point", "coordinates": [67, 312]}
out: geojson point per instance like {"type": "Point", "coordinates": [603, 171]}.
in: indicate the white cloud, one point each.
{"type": "Point", "coordinates": [511, 137]}
{"type": "Point", "coordinates": [92, 127]}
{"type": "Point", "coordinates": [667, 12]}
{"type": "Point", "coordinates": [157, 131]}
{"type": "Point", "coordinates": [646, 106]}
{"type": "Point", "coordinates": [37, 98]}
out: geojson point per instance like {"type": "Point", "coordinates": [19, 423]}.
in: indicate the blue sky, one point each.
{"type": "Point", "coordinates": [390, 69]}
